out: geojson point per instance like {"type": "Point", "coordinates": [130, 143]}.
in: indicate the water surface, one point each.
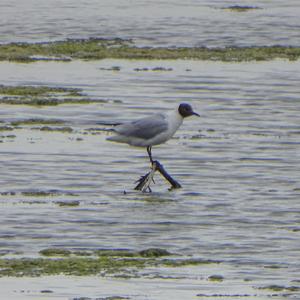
{"type": "Point", "coordinates": [153, 23]}
{"type": "Point", "coordinates": [238, 165]}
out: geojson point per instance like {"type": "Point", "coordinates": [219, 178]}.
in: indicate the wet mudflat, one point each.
{"type": "Point", "coordinates": [62, 183]}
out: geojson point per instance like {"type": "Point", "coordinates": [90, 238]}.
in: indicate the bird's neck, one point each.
{"type": "Point", "coordinates": [175, 120]}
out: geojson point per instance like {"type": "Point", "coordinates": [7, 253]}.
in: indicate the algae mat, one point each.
{"type": "Point", "coordinates": [92, 49]}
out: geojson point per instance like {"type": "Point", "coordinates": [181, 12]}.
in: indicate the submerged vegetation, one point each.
{"type": "Point", "coordinates": [37, 91]}
{"type": "Point", "coordinates": [39, 194]}
{"type": "Point", "coordinates": [80, 263]}
{"type": "Point", "coordinates": [123, 49]}
{"type": "Point", "coordinates": [280, 288]}
{"type": "Point", "coordinates": [69, 266]}
{"type": "Point", "coordinates": [43, 95]}
{"type": "Point", "coordinates": [240, 8]}
{"type": "Point", "coordinates": [37, 121]}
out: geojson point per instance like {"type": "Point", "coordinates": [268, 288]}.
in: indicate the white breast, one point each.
{"type": "Point", "coordinates": [174, 120]}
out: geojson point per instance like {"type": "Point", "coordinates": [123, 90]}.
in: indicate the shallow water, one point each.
{"type": "Point", "coordinates": [238, 165]}
{"type": "Point", "coordinates": [154, 23]}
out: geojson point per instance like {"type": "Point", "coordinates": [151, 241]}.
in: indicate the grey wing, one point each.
{"type": "Point", "coordinates": [145, 128]}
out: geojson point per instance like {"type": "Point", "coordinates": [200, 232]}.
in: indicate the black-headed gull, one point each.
{"type": "Point", "coordinates": [153, 130]}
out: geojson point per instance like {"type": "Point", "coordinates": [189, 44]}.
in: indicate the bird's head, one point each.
{"type": "Point", "coordinates": [185, 110]}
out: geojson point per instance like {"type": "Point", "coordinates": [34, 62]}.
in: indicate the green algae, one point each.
{"type": "Point", "coordinates": [113, 68]}
{"type": "Point", "coordinates": [121, 253]}
{"type": "Point", "coordinates": [37, 90]}
{"type": "Point", "coordinates": [241, 8]}
{"type": "Point", "coordinates": [274, 267]}
{"type": "Point", "coordinates": [280, 288]}
{"type": "Point", "coordinates": [187, 262]}
{"type": "Point", "coordinates": [115, 253]}
{"type": "Point", "coordinates": [37, 121]}
{"type": "Point", "coordinates": [216, 278]}
{"type": "Point", "coordinates": [78, 266]}
{"type": "Point", "coordinates": [147, 253]}
{"type": "Point", "coordinates": [6, 128]}
{"type": "Point", "coordinates": [92, 49]}
{"type": "Point", "coordinates": [55, 252]}
{"type": "Point", "coordinates": [57, 129]}
{"type": "Point", "coordinates": [70, 266]}
{"type": "Point", "coordinates": [82, 253]}
{"type": "Point", "coordinates": [39, 194]}
{"type": "Point", "coordinates": [46, 292]}
{"type": "Point", "coordinates": [61, 252]}
{"type": "Point", "coordinates": [83, 49]}
{"type": "Point", "coordinates": [120, 262]}
{"type": "Point", "coordinates": [47, 101]}
{"type": "Point", "coordinates": [43, 95]}
{"type": "Point", "coordinates": [62, 261]}
{"type": "Point", "coordinates": [67, 203]}
{"type": "Point", "coordinates": [154, 252]}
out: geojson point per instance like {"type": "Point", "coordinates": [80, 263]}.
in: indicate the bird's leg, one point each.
{"type": "Point", "coordinates": [149, 148]}
{"type": "Point", "coordinates": [157, 166]}
{"type": "Point", "coordinates": [175, 184]}
{"type": "Point", "coordinates": [145, 180]}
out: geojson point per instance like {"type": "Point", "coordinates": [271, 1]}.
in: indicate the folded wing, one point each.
{"type": "Point", "coordinates": [146, 128]}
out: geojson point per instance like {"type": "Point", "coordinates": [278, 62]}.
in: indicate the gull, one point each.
{"type": "Point", "coordinates": [152, 130]}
